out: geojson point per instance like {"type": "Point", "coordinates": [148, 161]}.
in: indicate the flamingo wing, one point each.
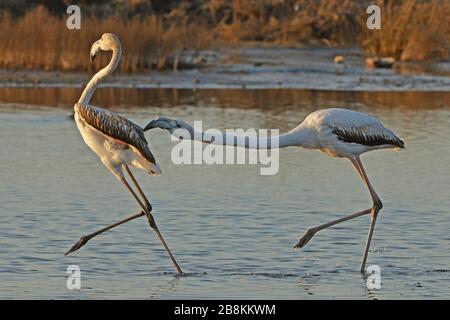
{"type": "Point", "coordinates": [367, 136]}
{"type": "Point", "coordinates": [356, 127]}
{"type": "Point", "coordinates": [117, 127]}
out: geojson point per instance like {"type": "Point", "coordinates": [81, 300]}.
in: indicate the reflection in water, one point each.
{"type": "Point", "coordinates": [231, 228]}
{"type": "Point", "coordinates": [271, 100]}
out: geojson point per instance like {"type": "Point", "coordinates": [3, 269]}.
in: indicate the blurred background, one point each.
{"type": "Point", "coordinates": [156, 32]}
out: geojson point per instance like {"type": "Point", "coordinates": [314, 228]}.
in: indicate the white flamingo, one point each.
{"type": "Point", "coordinates": [336, 132]}
{"type": "Point", "coordinates": [116, 140]}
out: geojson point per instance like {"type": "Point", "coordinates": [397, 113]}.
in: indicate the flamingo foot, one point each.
{"type": "Point", "coordinates": [78, 245]}
{"type": "Point", "coordinates": [305, 238]}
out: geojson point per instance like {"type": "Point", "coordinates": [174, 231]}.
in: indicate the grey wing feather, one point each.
{"type": "Point", "coordinates": [116, 126]}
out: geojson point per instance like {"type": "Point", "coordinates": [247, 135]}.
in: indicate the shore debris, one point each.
{"type": "Point", "coordinates": [377, 62]}
{"type": "Point", "coordinates": [339, 59]}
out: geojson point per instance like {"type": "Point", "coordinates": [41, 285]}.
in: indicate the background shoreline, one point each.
{"type": "Point", "coordinates": [271, 67]}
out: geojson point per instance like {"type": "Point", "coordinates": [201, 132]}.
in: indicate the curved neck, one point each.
{"type": "Point", "coordinates": [100, 75]}
{"type": "Point", "coordinates": [249, 139]}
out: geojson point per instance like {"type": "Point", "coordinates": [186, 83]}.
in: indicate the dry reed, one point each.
{"type": "Point", "coordinates": [39, 40]}
{"type": "Point", "coordinates": [411, 30]}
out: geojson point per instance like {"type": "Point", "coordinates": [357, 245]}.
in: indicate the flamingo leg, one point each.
{"type": "Point", "coordinates": [84, 239]}
{"type": "Point", "coordinates": [377, 205]}
{"type": "Point", "coordinates": [147, 203]}
{"type": "Point", "coordinates": [312, 231]}
{"type": "Point", "coordinates": [150, 218]}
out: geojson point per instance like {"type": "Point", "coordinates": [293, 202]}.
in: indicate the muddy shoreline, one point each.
{"type": "Point", "coordinates": [260, 68]}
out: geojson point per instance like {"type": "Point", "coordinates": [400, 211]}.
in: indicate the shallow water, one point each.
{"type": "Point", "coordinates": [231, 229]}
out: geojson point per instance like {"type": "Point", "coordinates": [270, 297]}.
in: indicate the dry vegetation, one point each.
{"type": "Point", "coordinates": [37, 38]}
{"type": "Point", "coordinates": [41, 40]}
{"type": "Point", "coordinates": [411, 30]}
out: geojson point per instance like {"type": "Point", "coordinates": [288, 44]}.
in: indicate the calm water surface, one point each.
{"type": "Point", "coordinates": [231, 229]}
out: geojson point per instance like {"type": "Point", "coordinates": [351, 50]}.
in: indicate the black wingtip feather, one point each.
{"type": "Point", "coordinates": [356, 135]}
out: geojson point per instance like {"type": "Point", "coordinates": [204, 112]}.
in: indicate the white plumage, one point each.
{"type": "Point", "coordinates": [120, 143]}
{"type": "Point", "coordinates": [346, 133]}
{"type": "Point", "coordinates": [117, 141]}
{"type": "Point", "coordinates": [336, 132]}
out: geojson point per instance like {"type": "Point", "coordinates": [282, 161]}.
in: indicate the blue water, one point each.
{"type": "Point", "coordinates": [231, 229]}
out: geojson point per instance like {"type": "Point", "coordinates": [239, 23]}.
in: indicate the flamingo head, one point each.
{"type": "Point", "coordinates": [108, 42]}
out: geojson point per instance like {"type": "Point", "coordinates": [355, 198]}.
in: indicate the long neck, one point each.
{"type": "Point", "coordinates": [100, 75]}
{"type": "Point", "coordinates": [297, 137]}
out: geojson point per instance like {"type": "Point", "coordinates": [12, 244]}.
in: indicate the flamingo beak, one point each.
{"type": "Point", "coordinates": [150, 125]}
{"type": "Point", "coordinates": [92, 57]}
{"type": "Point", "coordinates": [94, 50]}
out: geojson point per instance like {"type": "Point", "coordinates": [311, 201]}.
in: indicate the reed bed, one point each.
{"type": "Point", "coordinates": [411, 31]}
{"type": "Point", "coordinates": [37, 39]}
{"type": "Point", "coordinates": [40, 40]}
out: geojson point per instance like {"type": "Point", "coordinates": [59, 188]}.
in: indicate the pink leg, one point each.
{"type": "Point", "coordinates": [377, 205]}
{"type": "Point", "coordinates": [84, 239]}
{"type": "Point", "coordinates": [150, 218]}
{"type": "Point", "coordinates": [147, 203]}
{"type": "Point", "coordinates": [312, 231]}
